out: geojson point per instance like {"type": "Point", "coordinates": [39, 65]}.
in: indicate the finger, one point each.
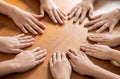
{"type": "Point", "coordinates": [57, 17]}
{"type": "Point", "coordinates": [41, 25]}
{"type": "Point", "coordinates": [96, 39]}
{"type": "Point", "coordinates": [111, 29]}
{"type": "Point", "coordinates": [105, 26]}
{"type": "Point", "coordinates": [64, 56]}
{"type": "Point", "coordinates": [15, 51]}
{"type": "Point", "coordinates": [62, 16]}
{"type": "Point", "coordinates": [96, 35]}
{"type": "Point", "coordinates": [42, 12]}
{"type": "Point", "coordinates": [96, 25]}
{"type": "Point", "coordinates": [27, 40]}
{"type": "Point", "coordinates": [42, 55]}
{"type": "Point", "coordinates": [40, 61]}
{"type": "Point", "coordinates": [19, 36]}
{"type": "Point", "coordinates": [23, 28]}
{"type": "Point", "coordinates": [73, 51]}
{"type": "Point", "coordinates": [54, 58]}
{"type": "Point", "coordinates": [35, 49]}
{"type": "Point", "coordinates": [61, 11]}
{"type": "Point", "coordinates": [58, 55]}
{"type": "Point", "coordinates": [72, 64]}
{"type": "Point", "coordinates": [25, 45]}
{"type": "Point", "coordinates": [72, 56]}
{"type": "Point", "coordinates": [90, 13]}
{"type": "Point", "coordinates": [52, 16]}
{"type": "Point", "coordinates": [36, 27]}
{"type": "Point", "coordinates": [83, 15]}
{"type": "Point", "coordinates": [28, 27]}
{"type": "Point", "coordinates": [51, 63]}
{"type": "Point", "coordinates": [25, 37]}
{"type": "Point", "coordinates": [82, 53]}
{"type": "Point", "coordinates": [72, 13]}
{"type": "Point", "coordinates": [40, 52]}
{"type": "Point", "coordinates": [96, 17]}
{"type": "Point", "coordinates": [37, 16]}
{"type": "Point", "coordinates": [77, 16]}
{"type": "Point", "coordinates": [93, 22]}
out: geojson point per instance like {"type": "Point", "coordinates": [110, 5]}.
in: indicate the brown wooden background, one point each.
{"type": "Point", "coordinates": [55, 37]}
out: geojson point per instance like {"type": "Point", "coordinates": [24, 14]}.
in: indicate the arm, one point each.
{"type": "Point", "coordinates": [6, 68]}
{"type": "Point", "coordinates": [23, 19]}
{"type": "Point", "coordinates": [101, 73]}
{"type": "Point", "coordinates": [6, 8]}
{"type": "Point", "coordinates": [23, 61]}
{"type": "Point", "coordinates": [116, 56]}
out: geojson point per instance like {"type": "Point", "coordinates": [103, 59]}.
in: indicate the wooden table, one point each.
{"type": "Point", "coordinates": [55, 37]}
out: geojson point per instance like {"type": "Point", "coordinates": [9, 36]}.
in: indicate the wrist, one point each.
{"type": "Point", "coordinates": [5, 8]}
{"type": "Point", "coordinates": [115, 55]}
{"type": "Point", "coordinates": [63, 78]}
{"type": "Point", "coordinates": [117, 11]}
{"type": "Point", "coordinates": [13, 66]}
{"type": "Point", "coordinates": [91, 70]}
{"type": "Point", "coordinates": [90, 1]}
{"type": "Point", "coordinates": [42, 1]}
{"type": "Point", "coordinates": [13, 10]}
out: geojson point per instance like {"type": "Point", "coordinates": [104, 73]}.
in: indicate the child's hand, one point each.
{"type": "Point", "coordinates": [27, 22]}
{"type": "Point", "coordinates": [55, 13]}
{"type": "Point", "coordinates": [104, 21]}
{"type": "Point", "coordinates": [28, 59]}
{"type": "Point", "coordinates": [79, 12]}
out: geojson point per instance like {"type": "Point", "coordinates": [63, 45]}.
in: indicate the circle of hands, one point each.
{"type": "Point", "coordinates": [59, 62]}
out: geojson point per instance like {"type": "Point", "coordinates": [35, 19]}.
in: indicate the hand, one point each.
{"type": "Point", "coordinates": [15, 44]}
{"type": "Point", "coordinates": [105, 39]}
{"type": "Point", "coordinates": [27, 22]}
{"type": "Point", "coordinates": [28, 59]}
{"type": "Point", "coordinates": [60, 66]}
{"type": "Point", "coordinates": [79, 12]}
{"type": "Point", "coordinates": [104, 21]}
{"type": "Point", "coordinates": [80, 62]}
{"type": "Point", "coordinates": [55, 13]}
{"type": "Point", "coordinates": [99, 51]}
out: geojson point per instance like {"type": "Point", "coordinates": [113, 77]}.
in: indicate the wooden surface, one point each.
{"type": "Point", "coordinates": [55, 37]}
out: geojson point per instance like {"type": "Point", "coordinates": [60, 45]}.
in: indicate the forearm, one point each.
{"type": "Point", "coordinates": [116, 56]}
{"type": "Point", "coordinates": [6, 68]}
{"type": "Point", "coordinates": [119, 12]}
{"type": "Point", "coordinates": [6, 8]}
{"type": "Point", "coordinates": [101, 73]}
{"type": "Point", "coordinates": [89, 1]}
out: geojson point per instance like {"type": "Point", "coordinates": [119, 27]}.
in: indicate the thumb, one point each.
{"type": "Point", "coordinates": [90, 13]}
{"type": "Point", "coordinates": [37, 16]}
{"type": "Point", "coordinates": [42, 12]}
